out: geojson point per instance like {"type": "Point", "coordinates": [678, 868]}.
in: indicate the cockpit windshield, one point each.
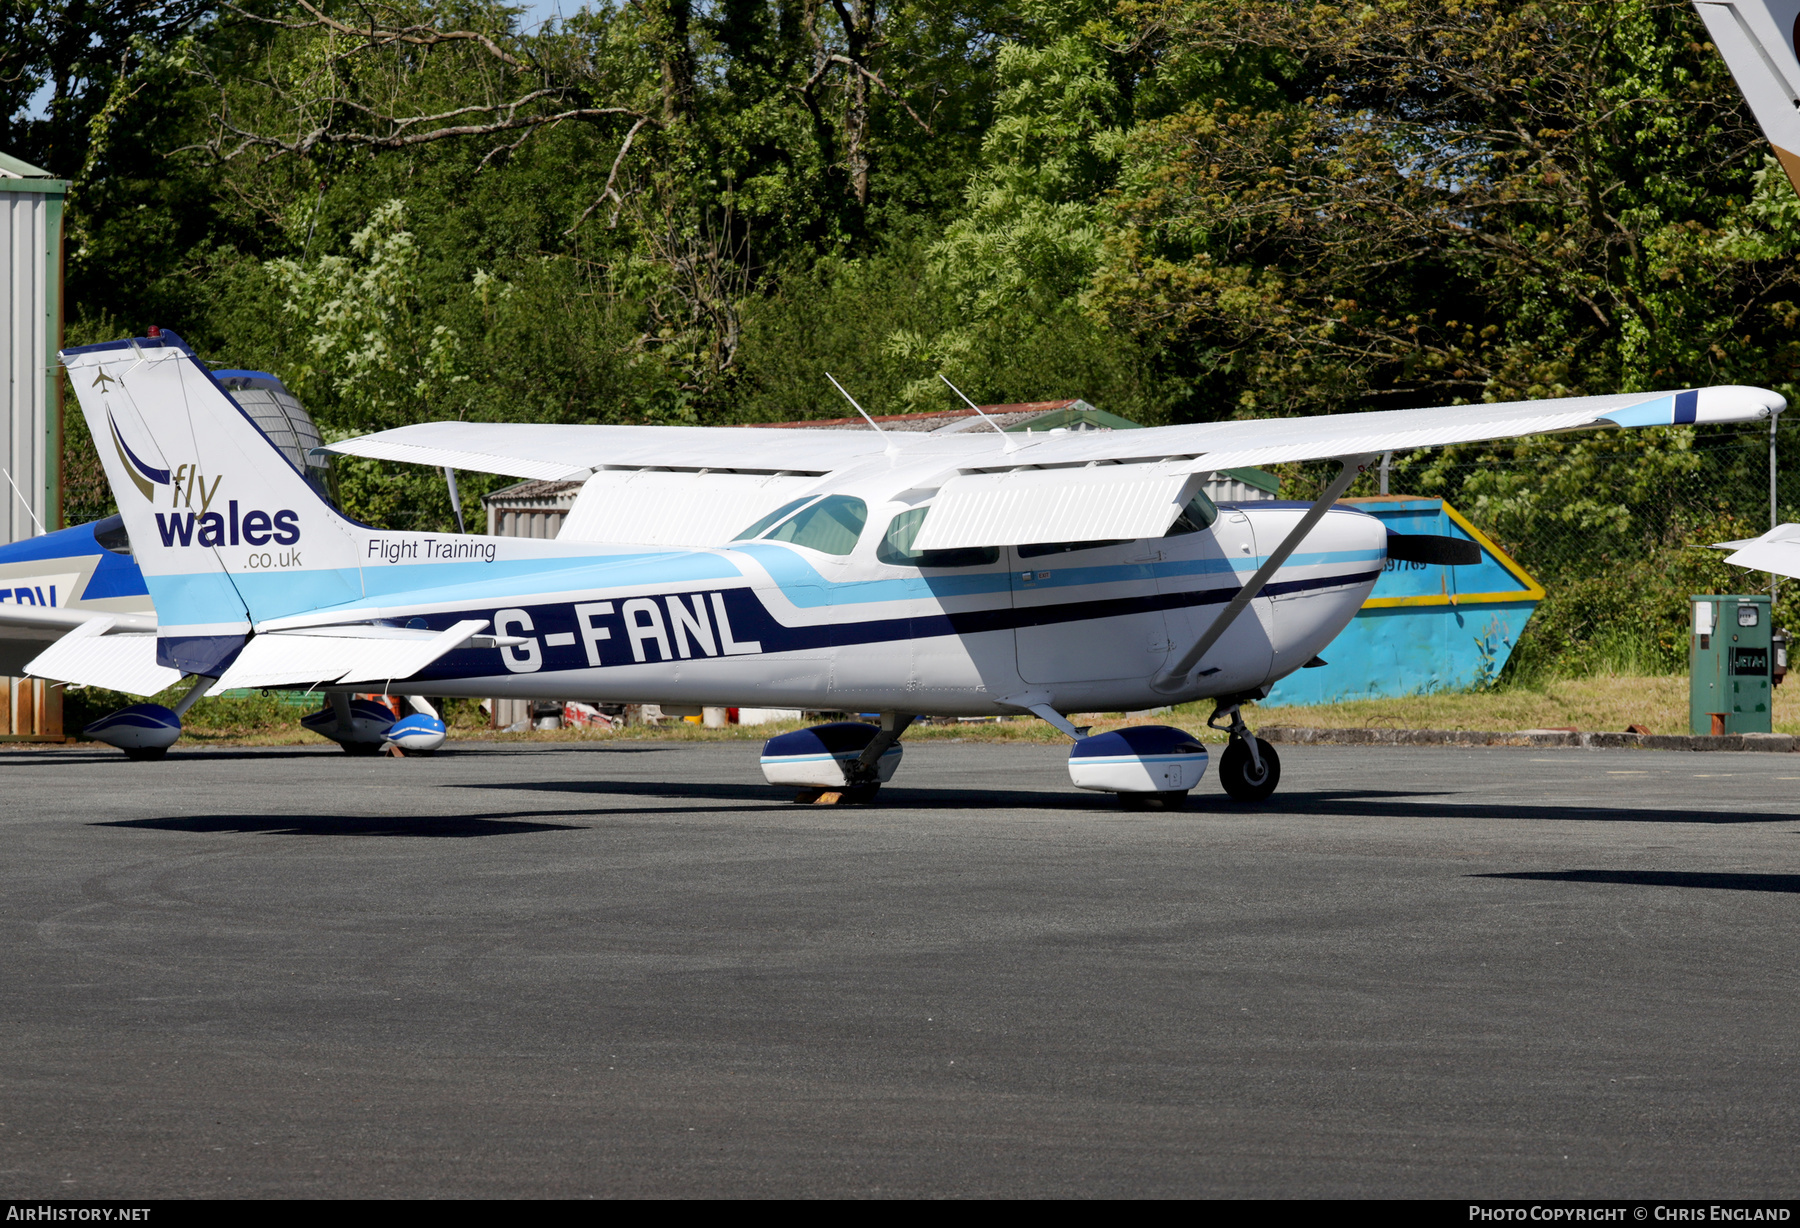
{"type": "Point", "coordinates": [830, 525]}
{"type": "Point", "coordinates": [773, 518]}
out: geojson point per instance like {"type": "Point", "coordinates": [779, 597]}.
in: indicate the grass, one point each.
{"type": "Point", "coordinates": [1606, 702]}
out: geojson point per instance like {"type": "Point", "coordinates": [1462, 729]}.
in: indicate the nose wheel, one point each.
{"type": "Point", "coordinates": [1249, 769]}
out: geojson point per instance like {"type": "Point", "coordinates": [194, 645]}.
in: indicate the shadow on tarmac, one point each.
{"type": "Point", "coordinates": [895, 797]}
{"type": "Point", "coordinates": [891, 798]}
{"type": "Point", "coordinates": [1786, 884]}
{"type": "Point", "coordinates": [456, 825]}
{"type": "Point", "coordinates": [1354, 805]}
{"type": "Point", "coordinates": [1334, 803]}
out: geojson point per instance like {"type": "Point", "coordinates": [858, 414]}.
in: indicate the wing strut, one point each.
{"type": "Point", "coordinates": [1175, 676]}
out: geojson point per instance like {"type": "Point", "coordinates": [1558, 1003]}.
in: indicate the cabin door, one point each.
{"type": "Point", "coordinates": [1088, 611]}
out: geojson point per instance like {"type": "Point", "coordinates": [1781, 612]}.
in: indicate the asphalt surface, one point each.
{"type": "Point", "coordinates": [633, 969]}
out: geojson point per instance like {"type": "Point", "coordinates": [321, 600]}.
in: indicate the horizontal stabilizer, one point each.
{"type": "Point", "coordinates": [88, 656]}
{"type": "Point", "coordinates": [334, 655]}
{"type": "Point", "coordinates": [53, 617]}
{"type": "Point", "coordinates": [1434, 549]}
{"type": "Point", "coordinates": [1096, 503]}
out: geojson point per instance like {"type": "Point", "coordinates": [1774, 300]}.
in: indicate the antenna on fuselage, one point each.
{"type": "Point", "coordinates": [859, 409]}
{"type": "Point", "coordinates": [1011, 443]}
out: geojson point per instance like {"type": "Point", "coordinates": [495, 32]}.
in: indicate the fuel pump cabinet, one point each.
{"type": "Point", "coordinates": [1730, 665]}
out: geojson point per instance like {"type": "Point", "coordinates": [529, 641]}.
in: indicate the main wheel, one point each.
{"type": "Point", "coordinates": [1237, 772]}
{"type": "Point", "coordinates": [143, 754]}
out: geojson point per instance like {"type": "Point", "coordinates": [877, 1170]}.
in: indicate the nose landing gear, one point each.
{"type": "Point", "coordinates": [1249, 769]}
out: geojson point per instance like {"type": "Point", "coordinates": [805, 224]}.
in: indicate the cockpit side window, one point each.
{"type": "Point", "coordinates": [830, 526]}
{"type": "Point", "coordinates": [1200, 513]}
{"type": "Point", "coordinates": [896, 548]}
{"type": "Point", "coordinates": [775, 517]}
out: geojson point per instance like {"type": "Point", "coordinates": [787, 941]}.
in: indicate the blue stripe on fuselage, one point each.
{"type": "Point", "coordinates": [750, 621]}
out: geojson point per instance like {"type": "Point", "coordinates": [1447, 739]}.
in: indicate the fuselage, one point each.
{"type": "Point", "coordinates": [779, 623]}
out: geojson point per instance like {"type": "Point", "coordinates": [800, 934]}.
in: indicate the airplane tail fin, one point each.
{"type": "Point", "coordinates": [227, 530]}
{"type": "Point", "coordinates": [1760, 40]}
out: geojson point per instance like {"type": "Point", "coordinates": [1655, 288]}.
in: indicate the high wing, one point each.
{"type": "Point", "coordinates": [993, 488]}
{"type": "Point", "coordinates": [541, 451]}
{"type": "Point", "coordinates": [548, 452]}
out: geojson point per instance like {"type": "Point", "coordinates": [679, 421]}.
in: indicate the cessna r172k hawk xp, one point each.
{"type": "Point", "coordinates": [965, 573]}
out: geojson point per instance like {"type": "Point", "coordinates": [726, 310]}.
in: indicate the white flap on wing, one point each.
{"type": "Point", "coordinates": [286, 658]}
{"type": "Point", "coordinates": [1092, 503]}
{"type": "Point", "coordinates": [87, 656]}
{"type": "Point", "coordinates": [659, 508]}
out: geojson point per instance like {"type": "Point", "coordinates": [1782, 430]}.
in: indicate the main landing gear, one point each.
{"type": "Point", "coordinates": [839, 764]}
{"type": "Point", "coordinates": [1249, 769]}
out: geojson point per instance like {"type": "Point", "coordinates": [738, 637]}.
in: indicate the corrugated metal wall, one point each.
{"type": "Point", "coordinates": [31, 215]}
{"type": "Point", "coordinates": [30, 268]}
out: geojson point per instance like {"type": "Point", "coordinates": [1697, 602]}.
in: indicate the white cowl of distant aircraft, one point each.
{"type": "Point", "coordinates": [967, 573]}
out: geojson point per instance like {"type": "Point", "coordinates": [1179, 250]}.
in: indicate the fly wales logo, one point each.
{"type": "Point", "coordinates": [227, 525]}
{"type": "Point", "coordinates": [145, 476]}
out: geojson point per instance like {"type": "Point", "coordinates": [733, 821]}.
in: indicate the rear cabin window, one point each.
{"type": "Point", "coordinates": [830, 526]}
{"type": "Point", "coordinates": [896, 546]}
{"type": "Point", "coordinates": [1199, 513]}
{"type": "Point", "coordinates": [1039, 549]}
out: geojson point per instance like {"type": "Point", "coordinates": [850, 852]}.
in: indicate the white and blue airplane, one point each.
{"type": "Point", "coordinates": [960, 573]}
